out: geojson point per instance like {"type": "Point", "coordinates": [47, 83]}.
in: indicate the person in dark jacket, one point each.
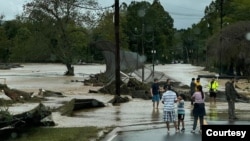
{"type": "Point", "coordinates": [231, 95]}
{"type": "Point", "coordinates": [192, 89]}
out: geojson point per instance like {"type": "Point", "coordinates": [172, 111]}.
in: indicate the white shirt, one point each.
{"type": "Point", "coordinates": [169, 98]}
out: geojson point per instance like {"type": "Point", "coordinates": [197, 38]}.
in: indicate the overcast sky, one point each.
{"type": "Point", "coordinates": [184, 12]}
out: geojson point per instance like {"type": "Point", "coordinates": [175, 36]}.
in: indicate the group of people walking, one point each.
{"type": "Point", "coordinates": [169, 98]}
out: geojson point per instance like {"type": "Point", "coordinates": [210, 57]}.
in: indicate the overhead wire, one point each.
{"type": "Point", "coordinates": [90, 8]}
{"type": "Point", "coordinates": [177, 15]}
{"type": "Point", "coordinates": [193, 15]}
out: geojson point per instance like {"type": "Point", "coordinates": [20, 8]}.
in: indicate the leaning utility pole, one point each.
{"type": "Point", "coordinates": [117, 51]}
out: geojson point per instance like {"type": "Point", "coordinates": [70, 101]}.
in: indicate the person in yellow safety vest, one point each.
{"type": "Point", "coordinates": [197, 83]}
{"type": "Point", "coordinates": [213, 88]}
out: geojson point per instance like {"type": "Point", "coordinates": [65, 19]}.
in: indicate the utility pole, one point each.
{"type": "Point", "coordinates": [142, 44]}
{"type": "Point", "coordinates": [141, 14]}
{"type": "Point", "coordinates": [221, 23]}
{"type": "Point", "coordinates": [117, 51]}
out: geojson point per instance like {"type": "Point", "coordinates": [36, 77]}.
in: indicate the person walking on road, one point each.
{"type": "Point", "coordinates": [231, 95]}
{"type": "Point", "coordinates": [169, 98]}
{"type": "Point", "coordinates": [181, 112]}
{"type": "Point", "coordinates": [213, 87]}
{"type": "Point", "coordinates": [199, 108]}
{"type": "Point", "coordinates": [155, 93]}
{"type": "Point", "coordinates": [192, 89]}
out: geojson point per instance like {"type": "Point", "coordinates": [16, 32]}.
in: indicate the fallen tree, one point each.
{"type": "Point", "coordinates": [30, 118]}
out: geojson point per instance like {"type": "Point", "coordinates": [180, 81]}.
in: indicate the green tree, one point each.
{"type": "Point", "coordinates": [163, 30]}
{"type": "Point", "coordinates": [105, 28]}
{"type": "Point", "coordinates": [4, 46]}
{"type": "Point", "coordinates": [21, 51]}
{"type": "Point", "coordinates": [27, 43]}
{"type": "Point", "coordinates": [8, 33]}
{"type": "Point", "coordinates": [149, 25]}
{"type": "Point", "coordinates": [219, 15]}
{"type": "Point", "coordinates": [236, 10]}
{"type": "Point", "coordinates": [65, 21]}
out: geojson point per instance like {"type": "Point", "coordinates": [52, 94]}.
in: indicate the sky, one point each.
{"type": "Point", "coordinates": [184, 12]}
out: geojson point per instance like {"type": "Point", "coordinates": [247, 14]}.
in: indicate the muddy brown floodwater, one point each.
{"type": "Point", "coordinates": [32, 77]}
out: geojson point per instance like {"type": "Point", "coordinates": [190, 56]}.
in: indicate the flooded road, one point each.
{"type": "Point", "coordinates": [137, 111]}
{"type": "Point", "coordinates": [51, 75]}
{"type": "Point", "coordinates": [47, 76]}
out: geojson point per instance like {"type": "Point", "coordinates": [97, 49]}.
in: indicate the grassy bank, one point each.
{"type": "Point", "coordinates": [54, 134]}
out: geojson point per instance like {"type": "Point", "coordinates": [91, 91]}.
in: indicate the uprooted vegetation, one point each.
{"type": "Point", "coordinates": [132, 86]}
{"type": "Point", "coordinates": [5, 115]}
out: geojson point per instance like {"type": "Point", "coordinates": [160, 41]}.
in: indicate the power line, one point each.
{"type": "Point", "coordinates": [89, 8]}
{"type": "Point", "coordinates": [99, 8]}
{"type": "Point", "coordinates": [165, 5]}
{"type": "Point", "coordinates": [185, 14]}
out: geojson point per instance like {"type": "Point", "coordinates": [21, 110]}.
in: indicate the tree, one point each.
{"type": "Point", "coordinates": [66, 22]}
{"type": "Point", "coordinates": [162, 24]}
{"type": "Point", "coordinates": [219, 15]}
{"type": "Point", "coordinates": [236, 10]}
{"type": "Point", "coordinates": [233, 48]}
{"type": "Point", "coordinates": [8, 31]}
{"type": "Point", "coordinates": [105, 28]}
{"type": "Point", "coordinates": [4, 46]}
{"type": "Point", "coordinates": [149, 22]}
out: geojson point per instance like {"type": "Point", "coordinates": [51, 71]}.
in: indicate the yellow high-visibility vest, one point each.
{"type": "Point", "coordinates": [214, 86]}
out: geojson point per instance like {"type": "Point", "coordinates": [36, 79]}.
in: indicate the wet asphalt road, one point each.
{"type": "Point", "coordinates": [158, 132]}
{"type": "Point", "coordinates": [162, 135]}
{"type": "Point", "coordinates": [156, 129]}
{"type": "Point", "coordinates": [157, 135]}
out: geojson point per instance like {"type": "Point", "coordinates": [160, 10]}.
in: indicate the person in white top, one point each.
{"type": "Point", "coordinates": [169, 98]}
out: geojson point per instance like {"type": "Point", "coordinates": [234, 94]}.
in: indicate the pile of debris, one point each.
{"type": "Point", "coordinates": [32, 118]}
{"type": "Point", "coordinates": [132, 87]}
{"type": "Point", "coordinates": [40, 115]}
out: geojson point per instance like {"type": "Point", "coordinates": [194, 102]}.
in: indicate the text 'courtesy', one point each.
{"type": "Point", "coordinates": [237, 132]}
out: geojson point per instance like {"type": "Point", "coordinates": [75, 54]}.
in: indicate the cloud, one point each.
{"type": "Point", "coordinates": [184, 12]}
{"type": "Point", "coordinates": [10, 8]}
